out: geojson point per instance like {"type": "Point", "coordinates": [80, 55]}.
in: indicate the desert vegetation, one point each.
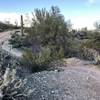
{"type": "Point", "coordinates": [51, 38]}
{"type": "Point", "coordinates": [7, 26]}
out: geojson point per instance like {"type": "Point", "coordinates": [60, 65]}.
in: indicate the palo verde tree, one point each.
{"type": "Point", "coordinates": [49, 29]}
{"type": "Point", "coordinates": [49, 36]}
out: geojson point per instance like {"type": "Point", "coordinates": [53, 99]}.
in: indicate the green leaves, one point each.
{"type": "Point", "coordinates": [49, 28]}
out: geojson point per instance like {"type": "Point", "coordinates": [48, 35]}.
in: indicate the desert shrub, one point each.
{"type": "Point", "coordinates": [7, 26]}
{"type": "Point", "coordinates": [92, 55]}
{"type": "Point", "coordinates": [50, 31]}
{"type": "Point", "coordinates": [49, 28]}
{"type": "Point", "coordinates": [40, 60]}
{"type": "Point", "coordinates": [87, 54]}
{"type": "Point", "coordinates": [93, 42]}
{"type": "Point", "coordinates": [90, 48]}
{"type": "Point", "coordinates": [18, 41]}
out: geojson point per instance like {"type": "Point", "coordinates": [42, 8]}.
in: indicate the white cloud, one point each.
{"type": "Point", "coordinates": [91, 1]}
{"type": "Point", "coordinates": [12, 17]}
{"type": "Point", "coordinates": [84, 21]}
{"type": "Point", "coordinates": [77, 21]}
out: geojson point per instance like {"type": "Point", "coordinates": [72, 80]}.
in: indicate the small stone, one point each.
{"type": "Point", "coordinates": [52, 92]}
{"type": "Point", "coordinates": [56, 70]}
{"type": "Point", "coordinates": [42, 97]}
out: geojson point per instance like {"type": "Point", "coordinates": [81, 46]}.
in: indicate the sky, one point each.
{"type": "Point", "coordinates": [82, 13]}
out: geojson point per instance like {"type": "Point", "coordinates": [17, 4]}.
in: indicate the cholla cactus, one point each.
{"type": "Point", "coordinates": [97, 59]}
{"type": "Point", "coordinates": [14, 88]}
{"type": "Point", "coordinates": [92, 55]}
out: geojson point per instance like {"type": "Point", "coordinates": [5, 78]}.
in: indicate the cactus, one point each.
{"type": "Point", "coordinates": [22, 28]}
{"type": "Point", "coordinates": [14, 88]}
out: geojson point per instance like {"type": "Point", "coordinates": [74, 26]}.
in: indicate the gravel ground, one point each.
{"type": "Point", "coordinates": [75, 83]}
{"type": "Point", "coordinates": [4, 37]}
{"type": "Point", "coordinates": [79, 82]}
{"type": "Point", "coordinates": [13, 51]}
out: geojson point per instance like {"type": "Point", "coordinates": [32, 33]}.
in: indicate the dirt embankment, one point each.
{"type": "Point", "coordinates": [79, 80]}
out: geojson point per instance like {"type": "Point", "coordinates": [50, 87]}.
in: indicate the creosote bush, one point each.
{"type": "Point", "coordinates": [39, 61]}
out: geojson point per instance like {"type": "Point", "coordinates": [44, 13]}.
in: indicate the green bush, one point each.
{"type": "Point", "coordinates": [18, 41]}
{"type": "Point", "coordinates": [49, 28]}
{"type": "Point", "coordinates": [40, 60]}
{"type": "Point", "coordinates": [93, 42]}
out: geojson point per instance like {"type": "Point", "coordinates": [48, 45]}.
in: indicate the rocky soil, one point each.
{"type": "Point", "coordinates": [72, 83]}
{"type": "Point", "coordinates": [6, 47]}
{"type": "Point", "coordinates": [77, 81]}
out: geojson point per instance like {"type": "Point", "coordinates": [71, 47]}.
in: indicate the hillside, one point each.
{"type": "Point", "coordinates": [4, 26]}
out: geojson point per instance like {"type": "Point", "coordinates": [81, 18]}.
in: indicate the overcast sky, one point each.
{"type": "Point", "coordinates": [82, 13]}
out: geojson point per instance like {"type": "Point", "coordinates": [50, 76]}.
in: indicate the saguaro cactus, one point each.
{"type": "Point", "coordinates": [22, 28]}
